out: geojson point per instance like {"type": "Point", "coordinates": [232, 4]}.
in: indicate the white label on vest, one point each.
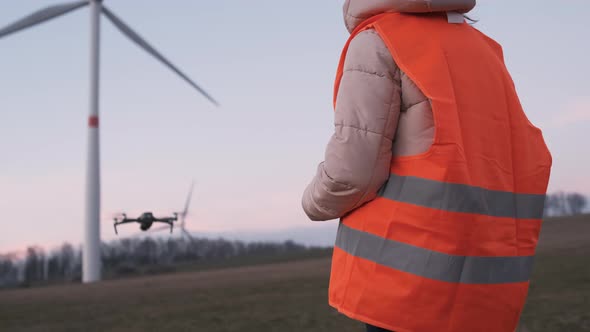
{"type": "Point", "coordinates": [455, 18]}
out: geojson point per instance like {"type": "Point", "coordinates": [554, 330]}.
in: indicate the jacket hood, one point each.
{"type": "Point", "coordinates": [356, 11]}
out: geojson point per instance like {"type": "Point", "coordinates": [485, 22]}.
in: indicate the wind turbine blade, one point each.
{"type": "Point", "coordinates": [188, 200]}
{"type": "Point", "coordinates": [127, 31]}
{"type": "Point", "coordinates": [41, 16]}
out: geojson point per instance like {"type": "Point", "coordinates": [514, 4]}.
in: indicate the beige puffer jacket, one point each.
{"type": "Point", "coordinates": [380, 113]}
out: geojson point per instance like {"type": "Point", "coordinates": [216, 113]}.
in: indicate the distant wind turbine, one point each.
{"type": "Point", "coordinates": [91, 264]}
{"type": "Point", "coordinates": [182, 215]}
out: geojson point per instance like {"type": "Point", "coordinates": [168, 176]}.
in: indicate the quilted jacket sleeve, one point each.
{"type": "Point", "coordinates": [358, 156]}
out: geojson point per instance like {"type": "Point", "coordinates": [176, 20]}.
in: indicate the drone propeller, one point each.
{"type": "Point", "coordinates": [117, 217]}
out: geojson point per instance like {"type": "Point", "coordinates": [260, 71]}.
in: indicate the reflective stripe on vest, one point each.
{"type": "Point", "coordinates": [462, 198]}
{"type": "Point", "coordinates": [431, 264]}
{"type": "Point", "coordinates": [448, 245]}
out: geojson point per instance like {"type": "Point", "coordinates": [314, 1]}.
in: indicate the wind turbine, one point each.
{"type": "Point", "coordinates": [182, 215]}
{"type": "Point", "coordinates": [185, 212]}
{"type": "Point", "coordinates": [91, 264]}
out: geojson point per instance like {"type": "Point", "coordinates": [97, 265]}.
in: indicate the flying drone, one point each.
{"type": "Point", "coordinates": [147, 219]}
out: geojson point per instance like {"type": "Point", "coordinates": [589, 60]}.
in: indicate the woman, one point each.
{"type": "Point", "coordinates": [436, 173]}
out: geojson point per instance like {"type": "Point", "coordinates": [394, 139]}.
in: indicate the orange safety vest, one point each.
{"type": "Point", "coordinates": [448, 244]}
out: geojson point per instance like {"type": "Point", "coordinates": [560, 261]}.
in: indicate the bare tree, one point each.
{"type": "Point", "coordinates": [131, 256]}
{"type": "Point", "coordinates": [549, 207]}
{"type": "Point", "coordinates": [576, 203]}
{"type": "Point", "coordinates": [564, 204]}
{"type": "Point", "coordinates": [33, 265]}
{"type": "Point", "coordinates": [8, 272]}
{"type": "Point", "coordinates": [67, 261]}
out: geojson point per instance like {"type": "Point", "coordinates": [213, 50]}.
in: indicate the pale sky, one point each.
{"type": "Point", "coordinates": [271, 65]}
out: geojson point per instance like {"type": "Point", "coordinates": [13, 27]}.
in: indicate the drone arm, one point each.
{"type": "Point", "coordinates": [169, 221]}
{"type": "Point", "coordinates": [124, 221]}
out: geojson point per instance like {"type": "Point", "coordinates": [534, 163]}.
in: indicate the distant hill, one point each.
{"type": "Point", "coordinates": [318, 234]}
{"type": "Point", "coordinates": [557, 233]}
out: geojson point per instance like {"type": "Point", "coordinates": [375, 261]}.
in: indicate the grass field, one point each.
{"type": "Point", "coordinates": [288, 296]}
{"type": "Point", "coordinates": [559, 299]}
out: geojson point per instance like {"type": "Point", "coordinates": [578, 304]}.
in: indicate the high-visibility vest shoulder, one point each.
{"type": "Point", "coordinates": [448, 244]}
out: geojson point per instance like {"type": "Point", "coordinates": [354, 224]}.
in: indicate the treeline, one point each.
{"type": "Point", "coordinates": [565, 204]}
{"type": "Point", "coordinates": [133, 256]}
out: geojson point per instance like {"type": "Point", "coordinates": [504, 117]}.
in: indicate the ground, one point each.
{"type": "Point", "coordinates": [288, 296]}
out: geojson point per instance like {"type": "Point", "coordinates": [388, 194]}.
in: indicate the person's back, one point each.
{"type": "Point", "coordinates": [439, 236]}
